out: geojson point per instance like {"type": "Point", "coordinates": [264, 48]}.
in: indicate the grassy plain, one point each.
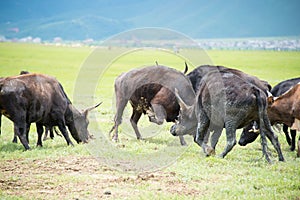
{"type": "Point", "coordinates": [104, 169]}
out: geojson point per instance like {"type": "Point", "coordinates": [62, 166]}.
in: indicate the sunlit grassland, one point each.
{"type": "Point", "coordinates": [243, 174]}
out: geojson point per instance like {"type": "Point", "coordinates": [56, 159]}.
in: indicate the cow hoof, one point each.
{"type": "Point", "coordinates": [27, 149]}
{"type": "Point", "coordinates": [281, 159]}
{"type": "Point", "coordinates": [115, 139]}
{"type": "Point", "coordinates": [210, 151]}
{"type": "Point", "coordinates": [71, 144]}
{"type": "Point", "coordinates": [292, 148]}
{"type": "Point", "coordinates": [183, 144]}
{"type": "Point", "coordinates": [92, 137]}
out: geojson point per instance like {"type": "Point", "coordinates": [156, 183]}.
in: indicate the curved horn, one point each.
{"type": "Point", "coordinates": [85, 112]}
{"type": "Point", "coordinates": [186, 68]}
{"type": "Point", "coordinates": [181, 103]}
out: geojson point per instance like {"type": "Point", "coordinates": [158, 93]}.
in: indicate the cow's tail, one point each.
{"type": "Point", "coordinates": [262, 104]}
{"type": "Point", "coordinates": [186, 68]}
{"type": "Point", "coordinates": [265, 126]}
{"type": "Point", "coordinates": [64, 93]}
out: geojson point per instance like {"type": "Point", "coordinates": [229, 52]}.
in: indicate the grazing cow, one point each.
{"type": "Point", "coordinates": [283, 109]}
{"type": "Point", "coordinates": [38, 98]}
{"type": "Point", "coordinates": [47, 129]}
{"type": "Point", "coordinates": [225, 100]}
{"type": "Point", "coordinates": [150, 91]}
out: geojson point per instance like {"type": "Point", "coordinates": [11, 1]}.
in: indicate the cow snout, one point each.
{"type": "Point", "coordinates": [173, 130]}
{"type": "Point", "coordinates": [242, 142]}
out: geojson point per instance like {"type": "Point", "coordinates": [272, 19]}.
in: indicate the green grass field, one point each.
{"type": "Point", "coordinates": [157, 167]}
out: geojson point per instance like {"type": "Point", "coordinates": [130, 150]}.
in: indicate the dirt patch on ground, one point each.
{"type": "Point", "coordinates": [81, 178]}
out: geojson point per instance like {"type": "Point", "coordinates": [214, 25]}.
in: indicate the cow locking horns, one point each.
{"type": "Point", "coordinates": [183, 106]}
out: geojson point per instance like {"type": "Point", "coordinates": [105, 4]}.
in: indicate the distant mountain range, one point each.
{"type": "Point", "coordinates": [79, 19]}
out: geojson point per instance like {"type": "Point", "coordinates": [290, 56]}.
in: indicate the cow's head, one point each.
{"type": "Point", "coordinates": [249, 134]}
{"type": "Point", "coordinates": [187, 121]}
{"type": "Point", "coordinates": [79, 123]}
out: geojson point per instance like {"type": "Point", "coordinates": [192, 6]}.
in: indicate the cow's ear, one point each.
{"type": "Point", "coordinates": [270, 98]}
{"type": "Point", "coordinates": [86, 111]}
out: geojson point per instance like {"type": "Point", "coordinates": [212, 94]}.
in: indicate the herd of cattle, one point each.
{"type": "Point", "coordinates": [200, 104]}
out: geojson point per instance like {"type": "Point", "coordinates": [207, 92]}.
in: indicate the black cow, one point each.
{"type": "Point", "coordinates": [47, 129]}
{"type": "Point", "coordinates": [250, 133]}
{"type": "Point", "coordinates": [150, 91]}
{"type": "Point", "coordinates": [198, 73]}
{"type": "Point", "coordinates": [41, 99]}
{"type": "Point", "coordinates": [224, 100]}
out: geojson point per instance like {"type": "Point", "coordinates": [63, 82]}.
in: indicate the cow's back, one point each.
{"type": "Point", "coordinates": [127, 83]}
{"type": "Point", "coordinates": [40, 96]}
{"type": "Point", "coordinates": [197, 74]}
{"type": "Point", "coordinates": [224, 95]}
{"type": "Point", "coordinates": [284, 86]}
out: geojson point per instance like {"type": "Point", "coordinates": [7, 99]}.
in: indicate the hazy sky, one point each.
{"type": "Point", "coordinates": [196, 18]}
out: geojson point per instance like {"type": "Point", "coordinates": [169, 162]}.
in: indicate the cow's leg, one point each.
{"type": "Point", "coordinates": [182, 141]}
{"type": "Point", "coordinates": [56, 132]}
{"type": "Point", "coordinates": [20, 131]}
{"type": "Point", "coordinates": [46, 133]}
{"type": "Point", "coordinates": [40, 130]}
{"type": "Point", "coordinates": [273, 138]}
{"type": "Point", "coordinates": [202, 131]}
{"type": "Point", "coordinates": [121, 103]}
{"type": "Point", "coordinates": [215, 136]}
{"type": "Point", "coordinates": [159, 114]}
{"type": "Point", "coordinates": [298, 153]}
{"type": "Point", "coordinates": [286, 132]}
{"type": "Point", "coordinates": [0, 122]}
{"type": "Point", "coordinates": [230, 138]}
{"type": "Point", "coordinates": [275, 143]}
{"type": "Point", "coordinates": [293, 135]}
{"type": "Point", "coordinates": [27, 131]}
{"type": "Point", "coordinates": [63, 130]}
{"type": "Point", "coordinates": [15, 138]}
{"type": "Point", "coordinates": [134, 120]}
{"type": "Point", "coordinates": [51, 132]}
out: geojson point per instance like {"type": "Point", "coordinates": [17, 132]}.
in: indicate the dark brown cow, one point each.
{"type": "Point", "coordinates": [150, 91]}
{"type": "Point", "coordinates": [47, 129]}
{"type": "Point", "coordinates": [38, 98]}
{"type": "Point", "coordinates": [225, 100]}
